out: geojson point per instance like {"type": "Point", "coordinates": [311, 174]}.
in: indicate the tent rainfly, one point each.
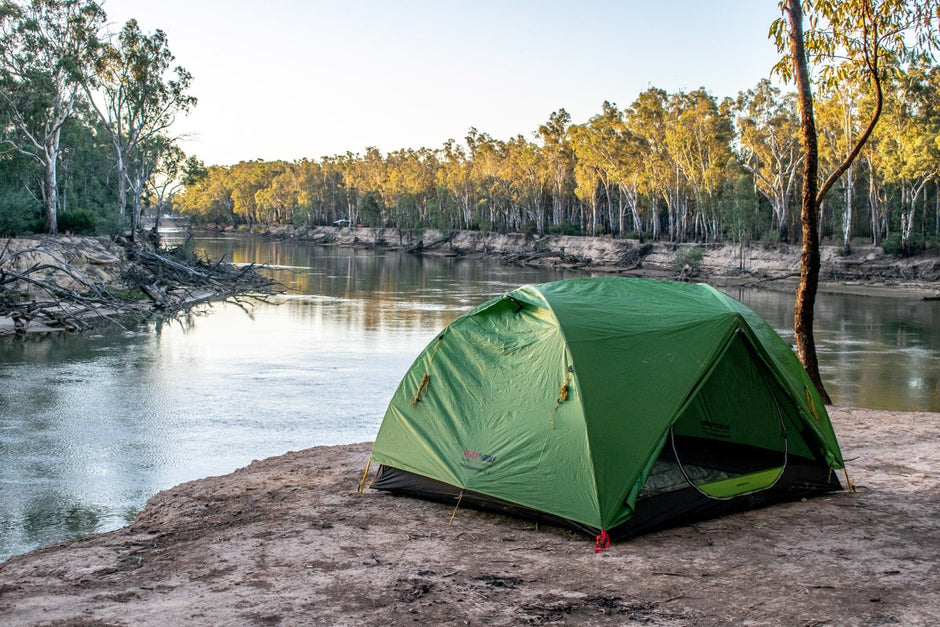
{"type": "Point", "coordinates": [612, 405]}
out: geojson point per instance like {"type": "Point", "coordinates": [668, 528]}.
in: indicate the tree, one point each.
{"type": "Point", "coordinates": [46, 50]}
{"type": "Point", "coordinates": [559, 160]}
{"type": "Point", "coordinates": [527, 174]}
{"type": "Point", "coordinates": [769, 146]}
{"type": "Point", "coordinates": [852, 40]}
{"type": "Point", "coordinates": [166, 181]}
{"type": "Point", "coordinates": [455, 174]}
{"type": "Point", "coordinates": [646, 121]}
{"type": "Point", "coordinates": [699, 138]}
{"type": "Point", "coordinates": [906, 144]}
{"type": "Point", "coordinates": [137, 97]}
{"type": "Point", "coordinates": [837, 116]}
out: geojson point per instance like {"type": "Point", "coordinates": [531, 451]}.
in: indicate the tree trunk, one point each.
{"type": "Point", "coordinates": [122, 184]}
{"type": "Point", "coordinates": [52, 200]}
{"type": "Point", "coordinates": [847, 214]}
{"type": "Point", "coordinates": [137, 190]}
{"type": "Point", "coordinates": [51, 157]}
{"type": "Point", "coordinates": [804, 307]}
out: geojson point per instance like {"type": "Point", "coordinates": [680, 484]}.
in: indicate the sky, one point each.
{"type": "Point", "coordinates": [295, 79]}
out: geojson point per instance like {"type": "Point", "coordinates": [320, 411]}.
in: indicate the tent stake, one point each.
{"type": "Point", "coordinates": [850, 485]}
{"type": "Point", "coordinates": [365, 474]}
{"type": "Point", "coordinates": [456, 507]}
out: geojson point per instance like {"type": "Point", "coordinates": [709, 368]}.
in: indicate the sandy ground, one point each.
{"type": "Point", "coordinates": [286, 541]}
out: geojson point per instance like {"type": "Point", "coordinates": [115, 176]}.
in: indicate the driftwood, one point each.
{"type": "Point", "coordinates": [54, 295]}
{"type": "Point", "coordinates": [419, 247]}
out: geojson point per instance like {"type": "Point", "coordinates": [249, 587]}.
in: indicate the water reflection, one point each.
{"type": "Point", "coordinates": [876, 352]}
{"type": "Point", "coordinates": [92, 426]}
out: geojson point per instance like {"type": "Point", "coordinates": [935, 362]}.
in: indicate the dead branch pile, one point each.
{"type": "Point", "coordinates": [47, 292]}
{"type": "Point", "coordinates": [177, 275]}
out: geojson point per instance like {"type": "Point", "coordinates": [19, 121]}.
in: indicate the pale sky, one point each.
{"type": "Point", "coordinates": [292, 79]}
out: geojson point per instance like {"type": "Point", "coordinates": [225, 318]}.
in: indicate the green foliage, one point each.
{"type": "Point", "coordinates": [737, 209]}
{"type": "Point", "coordinates": [110, 223]}
{"type": "Point", "coordinates": [565, 228]}
{"type": "Point", "coordinates": [300, 217]}
{"type": "Point", "coordinates": [689, 256]}
{"type": "Point", "coordinates": [371, 211]}
{"type": "Point", "coordinates": [78, 222]}
{"type": "Point", "coordinates": [892, 245]}
{"type": "Point", "coordinates": [20, 214]}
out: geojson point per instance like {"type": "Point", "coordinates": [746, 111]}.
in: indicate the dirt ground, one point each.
{"type": "Point", "coordinates": [286, 541]}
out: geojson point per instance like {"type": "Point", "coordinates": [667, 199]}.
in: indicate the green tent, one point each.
{"type": "Point", "coordinates": [612, 405]}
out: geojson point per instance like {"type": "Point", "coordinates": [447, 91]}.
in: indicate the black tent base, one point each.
{"type": "Point", "coordinates": [800, 479]}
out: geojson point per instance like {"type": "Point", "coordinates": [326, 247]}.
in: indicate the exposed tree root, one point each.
{"type": "Point", "coordinates": [56, 295]}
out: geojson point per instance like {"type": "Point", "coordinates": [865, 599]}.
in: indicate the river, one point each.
{"type": "Point", "coordinates": [91, 426]}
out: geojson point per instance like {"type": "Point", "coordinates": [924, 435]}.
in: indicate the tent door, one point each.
{"type": "Point", "coordinates": [731, 439]}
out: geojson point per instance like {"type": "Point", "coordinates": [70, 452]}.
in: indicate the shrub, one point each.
{"type": "Point", "coordinates": [892, 245]}
{"type": "Point", "coordinates": [19, 214]}
{"type": "Point", "coordinates": [77, 222]}
{"type": "Point", "coordinates": [691, 257]}
{"type": "Point", "coordinates": [565, 228]}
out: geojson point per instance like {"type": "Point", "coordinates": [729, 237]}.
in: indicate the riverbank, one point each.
{"type": "Point", "coordinates": [71, 283]}
{"type": "Point", "coordinates": [866, 270]}
{"type": "Point", "coordinates": [79, 270]}
{"type": "Point", "coordinates": [286, 541]}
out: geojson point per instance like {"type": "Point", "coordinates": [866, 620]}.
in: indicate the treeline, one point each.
{"type": "Point", "coordinates": [671, 166]}
{"type": "Point", "coordinates": [85, 119]}
{"type": "Point", "coordinates": [87, 114]}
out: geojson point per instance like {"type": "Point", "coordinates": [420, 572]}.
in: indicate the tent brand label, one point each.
{"type": "Point", "coordinates": [721, 430]}
{"type": "Point", "coordinates": [477, 461]}
{"type": "Point", "coordinates": [477, 456]}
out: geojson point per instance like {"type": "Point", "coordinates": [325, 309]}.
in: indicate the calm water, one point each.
{"type": "Point", "coordinates": [90, 427]}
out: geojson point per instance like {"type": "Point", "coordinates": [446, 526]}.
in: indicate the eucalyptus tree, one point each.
{"type": "Point", "coordinates": [166, 180]}
{"type": "Point", "coordinates": [142, 166]}
{"type": "Point", "coordinates": [622, 156]}
{"type": "Point", "coordinates": [489, 157]}
{"type": "Point", "coordinates": [699, 135]}
{"type": "Point", "coordinates": [409, 183]}
{"type": "Point", "coordinates": [906, 140]}
{"type": "Point", "coordinates": [371, 176]}
{"type": "Point", "coordinates": [331, 189]}
{"type": "Point", "coordinates": [348, 166]}
{"type": "Point", "coordinates": [768, 145]}
{"type": "Point", "coordinates": [207, 195]}
{"type": "Point", "coordinates": [560, 162]}
{"type": "Point", "coordinates": [848, 40]}
{"type": "Point", "coordinates": [647, 119]}
{"type": "Point", "coordinates": [527, 173]}
{"type": "Point", "coordinates": [85, 174]}
{"type": "Point", "coordinates": [46, 51]}
{"type": "Point", "coordinates": [587, 170]}
{"type": "Point", "coordinates": [838, 116]}
{"type": "Point", "coordinates": [599, 153]}
{"type": "Point", "coordinates": [277, 199]}
{"type": "Point", "coordinates": [455, 174]}
{"type": "Point", "coordinates": [138, 95]}
{"type": "Point", "coordinates": [316, 190]}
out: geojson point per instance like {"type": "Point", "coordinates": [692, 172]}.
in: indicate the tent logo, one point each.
{"type": "Point", "coordinates": [474, 455]}
{"type": "Point", "coordinates": [476, 461]}
{"type": "Point", "coordinates": [721, 430]}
